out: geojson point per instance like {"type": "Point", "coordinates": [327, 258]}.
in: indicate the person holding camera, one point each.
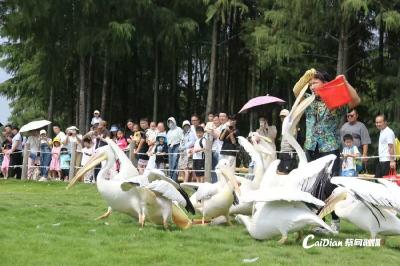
{"type": "Point", "coordinates": [74, 138]}
{"type": "Point", "coordinates": [267, 130]}
{"type": "Point", "coordinates": [229, 142]}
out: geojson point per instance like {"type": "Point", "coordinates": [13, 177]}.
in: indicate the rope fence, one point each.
{"type": "Point", "coordinates": [130, 152]}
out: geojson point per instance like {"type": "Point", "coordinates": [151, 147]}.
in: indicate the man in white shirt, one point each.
{"type": "Point", "coordinates": [387, 159]}
{"type": "Point", "coordinates": [215, 129]}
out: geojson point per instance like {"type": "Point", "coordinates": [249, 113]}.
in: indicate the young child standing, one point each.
{"type": "Point", "coordinates": [161, 152]}
{"type": "Point", "coordinates": [55, 160]}
{"type": "Point", "coordinates": [121, 140]}
{"type": "Point", "coordinates": [65, 159]}
{"type": "Point", "coordinates": [87, 152]}
{"type": "Point", "coordinates": [198, 154]}
{"type": "Point", "coordinates": [349, 154]}
{"type": "Point", "coordinates": [6, 160]}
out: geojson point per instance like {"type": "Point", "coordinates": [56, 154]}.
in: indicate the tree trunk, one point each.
{"type": "Point", "coordinates": [155, 83]}
{"type": "Point", "coordinates": [50, 109]}
{"type": "Point", "coordinates": [174, 101]}
{"type": "Point", "coordinates": [105, 84]}
{"type": "Point", "coordinates": [343, 50]}
{"type": "Point", "coordinates": [112, 95]}
{"type": "Point", "coordinates": [252, 93]}
{"type": "Point", "coordinates": [213, 68]}
{"type": "Point", "coordinates": [89, 93]}
{"type": "Point", "coordinates": [379, 92]}
{"type": "Point", "coordinates": [76, 98]}
{"type": "Point", "coordinates": [82, 94]}
{"type": "Point", "coordinates": [190, 79]}
{"type": "Point", "coordinates": [201, 74]}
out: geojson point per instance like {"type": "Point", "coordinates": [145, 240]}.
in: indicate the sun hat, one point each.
{"type": "Point", "coordinates": [284, 112]}
{"type": "Point", "coordinates": [73, 128]}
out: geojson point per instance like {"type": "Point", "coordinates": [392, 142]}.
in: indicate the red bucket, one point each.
{"type": "Point", "coordinates": [335, 93]}
{"type": "Point", "coordinates": [393, 176]}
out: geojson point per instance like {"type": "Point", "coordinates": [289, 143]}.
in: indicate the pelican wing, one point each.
{"type": "Point", "coordinates": [126, 186]}
{"type": "Point", "coordinates": [380, 194]}
{"type": "Point", "coordinates": [206, 191]}
{"type": "Point", "coordinates": [270, 176]}
{"type": "Point", "coordinates": [167, 190]}
{"type": "Point", "coordinates": [313, 176]}
{"type": "Point", "coordinates": [249, 148]}
{"type": "Point", "coordinates": [155, 174]}
{"type": "Point", "coordinates": [282, 194]}
{"type": "Point", "coordinates": [140, 179]}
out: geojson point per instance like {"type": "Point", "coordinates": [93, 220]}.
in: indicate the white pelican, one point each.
{"type": "Point", "coordinates": [289, 125]}
{"type": "Point", "coordinates": [280, 210]}
{"type": "Point", "coordinates": [130, 201]}
{"type": "Point", "coordinates": [370, 206]}
{"type": "Point", "coordinates": [263, 145]}
{"type": "Point", "coordinates": [246, 185]}
{"type": "Point", "coordinates": [157, 200]}
{"type": "Point", "coordinates": [216, 199]}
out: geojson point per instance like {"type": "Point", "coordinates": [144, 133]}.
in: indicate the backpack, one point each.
{"type": "Point", "coordinates": [397, 148]}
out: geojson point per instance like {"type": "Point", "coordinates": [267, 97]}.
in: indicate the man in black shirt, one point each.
{"type": "Point", "coordinates": [229, 136]}
{"type": "Point", "coordinates": [143, 146]}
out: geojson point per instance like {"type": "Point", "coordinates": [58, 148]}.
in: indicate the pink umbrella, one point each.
{"type": "Point", "coordinates": [260, 100]}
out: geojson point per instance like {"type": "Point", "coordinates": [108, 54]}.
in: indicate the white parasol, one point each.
{"type": "Point", "coordinates": [34, 125]}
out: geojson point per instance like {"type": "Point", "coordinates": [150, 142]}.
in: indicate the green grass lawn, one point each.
{"type": "Point", "coordinates": [44, 224]}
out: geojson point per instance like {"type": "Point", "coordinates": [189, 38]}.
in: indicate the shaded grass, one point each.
{"type": "Point", "coordinates": [43, 224]}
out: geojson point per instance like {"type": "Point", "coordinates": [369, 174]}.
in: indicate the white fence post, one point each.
{"type": "Point", "coordinates": [25, 157]}
{"type": "Point", "coordinates": [208, 158]}
{"type": "Point", "coordinates": [72, 162]}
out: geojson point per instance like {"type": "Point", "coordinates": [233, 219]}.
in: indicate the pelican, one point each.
{"type": "Point", "coordinates": [280, 210]}
{"type": "Point", "coordinates": [262, 145]}
{"type": "Point", "coordinates": [116, 188]}
{"type": "Point", "coordinates": [158, 199]}
{"type": "Point", "coordinates": [216, 199]}
{"type": "Point", "coordinates": [246, 185]}
{"type": "Point", "coordinates": [370, 206]}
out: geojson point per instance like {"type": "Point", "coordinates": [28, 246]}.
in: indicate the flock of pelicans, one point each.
{"type": "Point", "coordinates": [268, 206]}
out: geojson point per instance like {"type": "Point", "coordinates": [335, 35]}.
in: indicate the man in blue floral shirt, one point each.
{"type": "Point", "coordinates": [323, 130]}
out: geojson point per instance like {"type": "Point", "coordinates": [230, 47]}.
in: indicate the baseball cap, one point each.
{"type": "Point", "coordinates": [186, 123]}
{"type": "Point", "coordinates": [114, 128]}
{"type": "Point", "coordinates": [96, 112]}
{"type": "Point", "coordinates": [42, 132]}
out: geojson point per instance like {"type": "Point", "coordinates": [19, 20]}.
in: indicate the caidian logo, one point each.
{"type": "Point", "coordinates": [348, 242]}
{"type": "Point", "coordinates": [323, 242]}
